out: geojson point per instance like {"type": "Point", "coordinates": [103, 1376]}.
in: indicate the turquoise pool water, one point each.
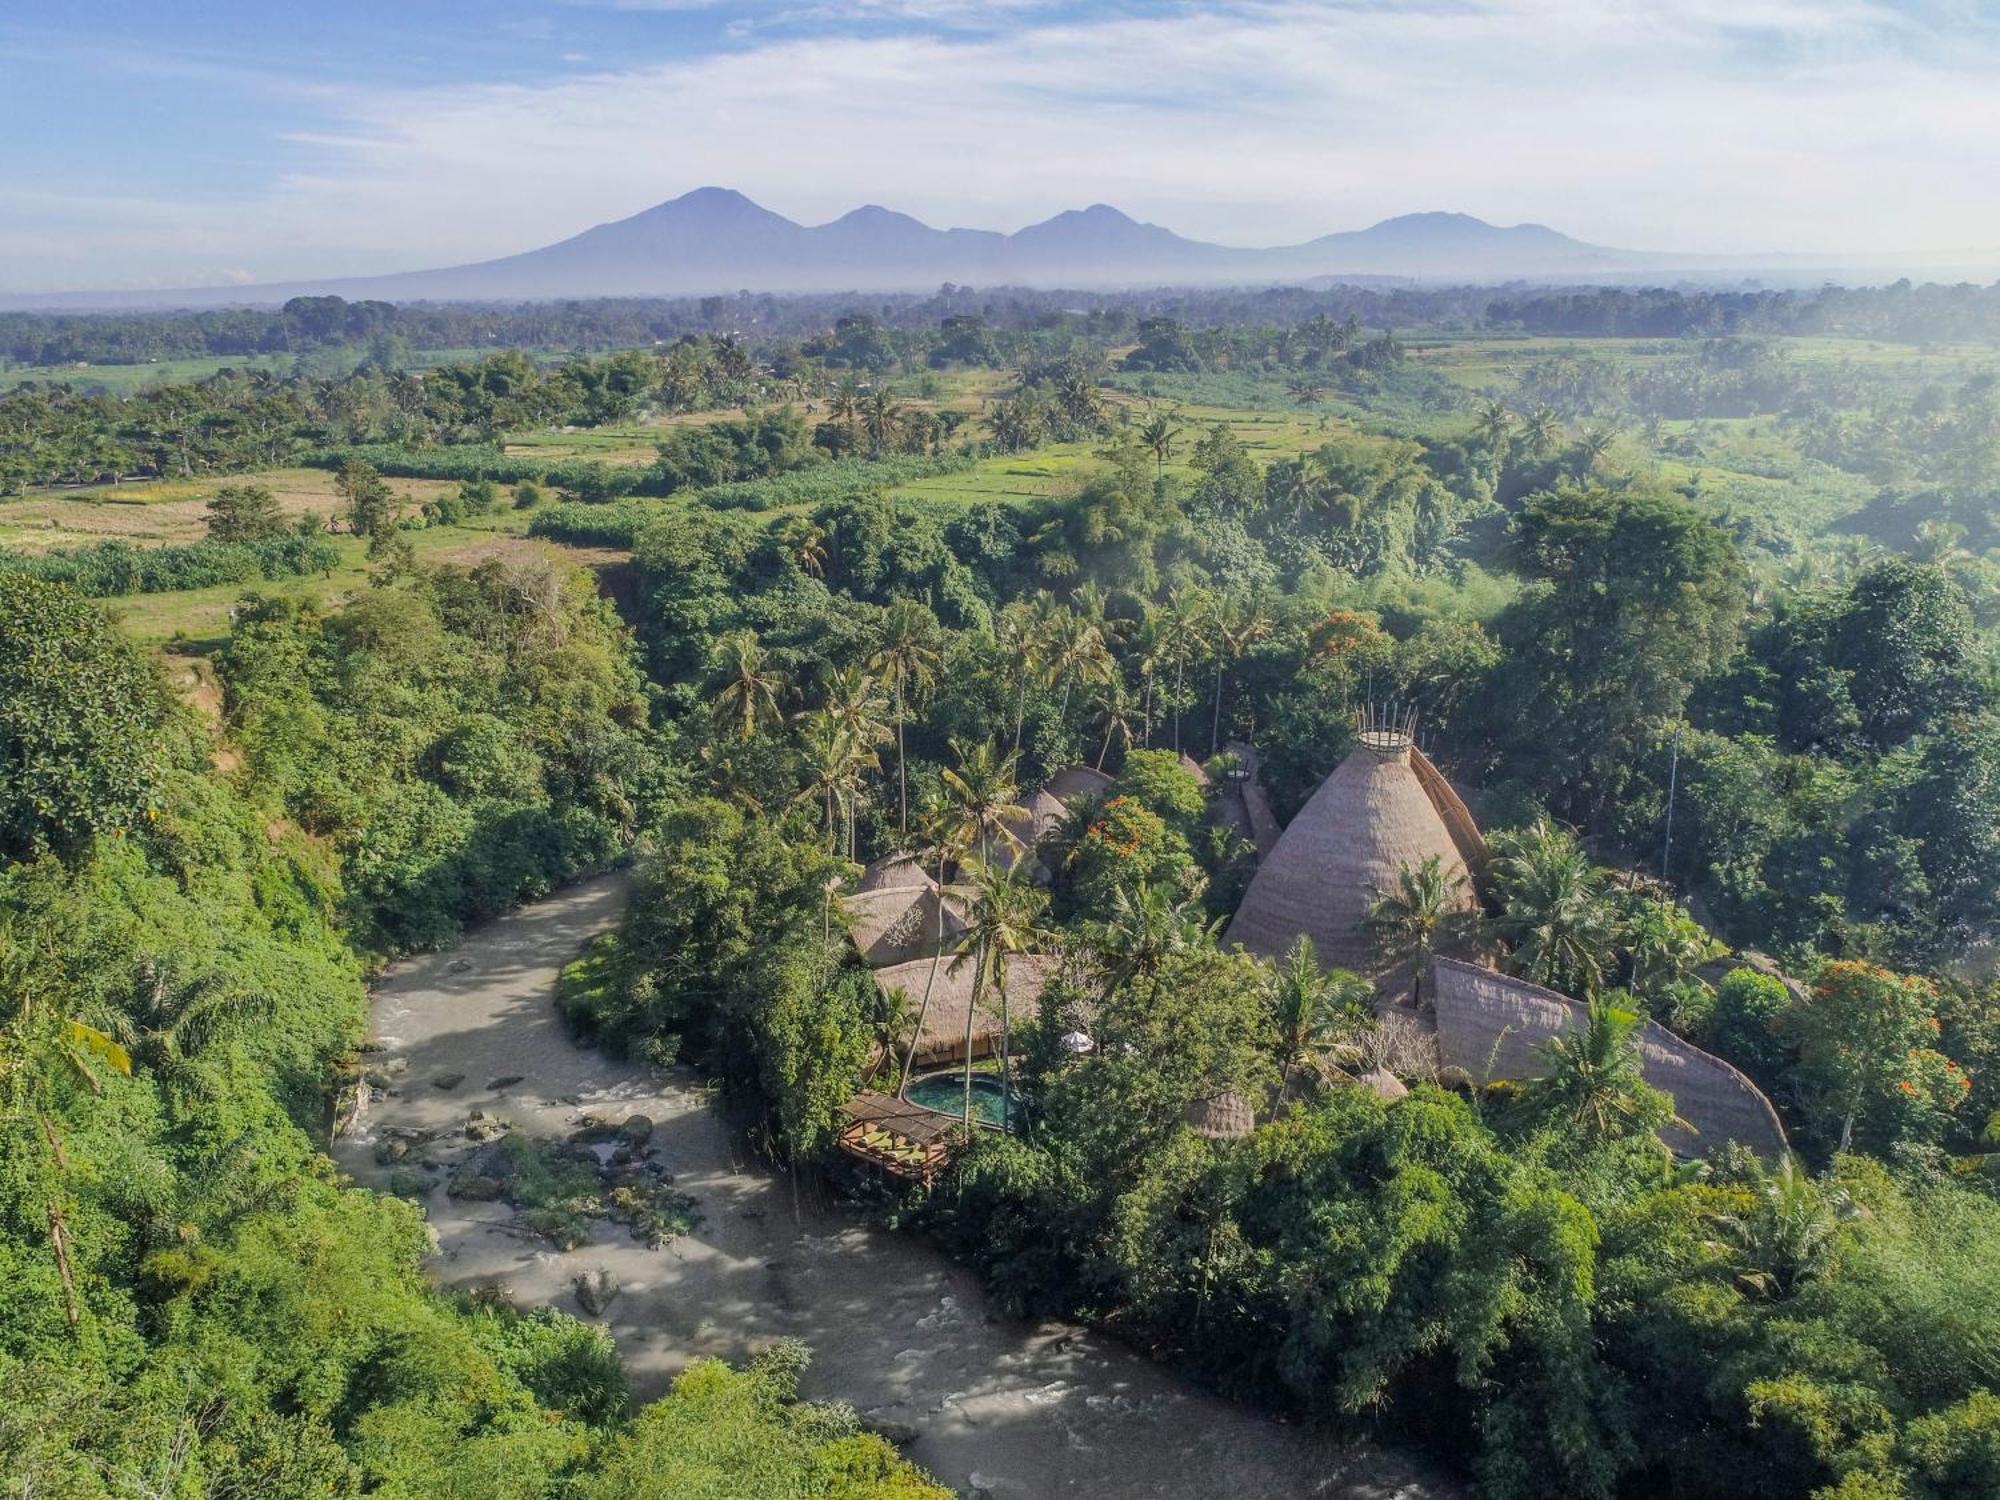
{"type": "Point", "coordinates": [945, 1093]}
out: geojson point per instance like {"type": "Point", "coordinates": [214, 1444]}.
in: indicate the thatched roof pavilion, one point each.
{"type": "Point", "coordinates": [1073, 783]}
{"type": "Point", "coordinates": [893, 913]}
{"type": "Point", "coordinates": [1221, 1117]}
{"type": "Point", "coordinates": [1496, 1026]}
{"type": "Point", "coordinates": [1343, 851]}
{"type": "Point", "coordinates": [943, 1038]}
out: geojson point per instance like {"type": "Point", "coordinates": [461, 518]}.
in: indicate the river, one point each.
{"type": "Point", "coordinates": [991, 1405]}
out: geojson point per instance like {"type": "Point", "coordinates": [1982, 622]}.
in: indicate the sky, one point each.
{"type": "Point", "coordinates": [170, 143]}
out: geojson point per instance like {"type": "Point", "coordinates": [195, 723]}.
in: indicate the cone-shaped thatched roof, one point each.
{"type": "Point", "coordinates": [894, 872]}
{"type": "Point", "coordinates": [1496, 1026]}
{"type": "Point", "coordinates": [1221, 1117]}
{"type": "Point", "coordinates": [1342, 852]}
{"type": "Point", "coordinates": [1073, 783]}
{"type": "Point", "coordinates": [893, 913]}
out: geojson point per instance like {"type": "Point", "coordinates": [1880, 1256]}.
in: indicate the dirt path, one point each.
{"type": "Point", "coordinates": [998, 1407]}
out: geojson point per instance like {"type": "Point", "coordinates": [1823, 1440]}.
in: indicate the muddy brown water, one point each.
{"type": "Point", "coordinates": [1010, 1409]}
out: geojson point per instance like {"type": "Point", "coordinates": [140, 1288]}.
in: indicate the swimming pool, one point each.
{"type": "Point", "coordinates": [945, 1093]}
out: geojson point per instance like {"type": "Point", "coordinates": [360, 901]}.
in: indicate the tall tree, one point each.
{"type": "Point", "coordinates": [909, 655]}
{"type": "Point", "coordinates": [748, 698]}
{"type": "Point", "coordinates": [1001, 921]}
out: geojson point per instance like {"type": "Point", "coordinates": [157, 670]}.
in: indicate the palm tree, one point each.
{"type": "Point", "coordinates": [748, 699]}
{"type": "Point", "coordinates": [40, 1045]}
{"type": "Point", "coordinates": [1318, 1011]}
{"type": "Point", "coordinates": [940, 834]}
{"type": "Point", "coordinates": [1786, 1237]}
{"type": "Point", "coordinates": [908, 655]}
{"type": "Point", "coordinates": [1239, 622]}
{"type": "Point", "coordinates": [1554, 910]}
{"type": "Point", "coordinates": [981, 791]}
{"type": "Point", "coordinates": [1158, 433]}
{"type": "Point", "coordinates": [1494, 424]}
{"type": "Point", "coordinates": [879, 416]}
{"type": "Point", "coordinates": [1186, 624]}
{"type": "Point", "coordinates": [1025, 626]}
{"type": "Point", "coordinates": [1152, 649]}
{"type": "Point", "coordinates": [803, 542]}
{"type": "Point", "coordinates": [834, 759]}
{"type": "Point", "coordinates": [1145, 925]}
{"type": "Point", "coordinates": [1000, 920]}
{"type": "Point", "coordinates": [1541, 432]}
{"type": "Point", "coordinates": [170, 1021]}
{"type": "Point", "coordinates": [1426, 908]}
{"type": "Point", "coordinates": [1114, 701]}
{"type": "Point", "coordinates": [1663, 945]}
{"type": "Point", "coordinates": [1074, 651]}
{"type": "Point", "coordinates": [1596, 1082]}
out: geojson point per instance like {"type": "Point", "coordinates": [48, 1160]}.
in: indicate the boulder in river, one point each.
{"type": "Point", "coordinates": [447, 1081]}
{"type": "Point", "coordinates": [637, 1129]}
{"type": "Point", "coordinates": [594, 1291]}
{"type": "Point", "coordinates": [480, 1126]}
{"type": "Point", "coordinates": [504, 1081]}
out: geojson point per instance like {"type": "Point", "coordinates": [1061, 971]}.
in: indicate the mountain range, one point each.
{"type": "Point", "coordinates": [717, 240]}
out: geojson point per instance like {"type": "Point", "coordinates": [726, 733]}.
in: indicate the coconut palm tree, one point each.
{"type": "Point", "coordinates": [834, 758]}
{"type": "Point", "coordinates": [40, 1047]}
{"type": "Point", "coordinates": [1000, 920]}
{"type": "Point", "coordinates": [909, 656]}
{"type": "Point", "coordinates": [1025, 627]}
{"type": "Point", "coordinates": [941, 840]}
{"type": "Point", "coordinates": [1541, 432]}
{"type": "Point", "coordinates": [1186, 622]}
{"type": "Point", "coordinates": [1595, 1080]}
{"type": "Point", "coordinates": [1495, 423]}
{"type": "Point", "coordinates": [1114, 701]}
{"type": "Point", "coordinates": [1319, 1012]}
{"type": "Point", "coordinates": [1074, 651]}
{"type": "Point", "coordinates": [1423, 911]}
{"type": "Point", "coordinates": [1240, 622]}
{"type": "Point", "coordinates": [171, 1020]}
{"type": "Point", "coordinates": [804, 542]}
{"type": "Point", "coordinates": [1158, 432]}
{"type": "Point", "coordinates": [1555, 913]}
{"type": "Point", "coordinates": [751, 688]}
{"type": "Point", "coordinates": [1787, 1235]}
{"type": "Point", "coordinates": [981, 790]}
{"type": "Point", "coordinates": [1146, 924]}
{"type": "Point", "coordinates": [1663, 945]}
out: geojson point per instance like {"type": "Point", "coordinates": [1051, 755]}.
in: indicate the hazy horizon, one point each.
{"type": "Point", "coordinates": [252, 146]}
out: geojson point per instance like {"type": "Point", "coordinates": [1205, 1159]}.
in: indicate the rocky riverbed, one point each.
{"type": "Point", "coordinates": [609, 1189]}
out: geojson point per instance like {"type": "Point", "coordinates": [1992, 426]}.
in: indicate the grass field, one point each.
{"type": "Point", "coordinates": [168, 511]}
{"type": "Point", "coordinates": [195, 620]}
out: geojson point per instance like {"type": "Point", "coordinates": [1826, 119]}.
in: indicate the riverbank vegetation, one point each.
{"type": "Point", "coordinates": [1705, 624]}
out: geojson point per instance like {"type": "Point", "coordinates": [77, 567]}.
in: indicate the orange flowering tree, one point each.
{"type": "Point", "coordinates": [1868, 1065]}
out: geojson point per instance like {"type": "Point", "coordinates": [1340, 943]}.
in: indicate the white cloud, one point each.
{"type": "Point", "coordinates": [1687, 124]}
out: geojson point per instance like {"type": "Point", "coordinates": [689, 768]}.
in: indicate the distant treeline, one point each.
{"type": "Point", "coordinates": [1023, 319]}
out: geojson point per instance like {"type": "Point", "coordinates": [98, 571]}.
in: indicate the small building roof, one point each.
{"type": "Point", "coordinates": [894, 872]}
{"type": "Point", "coordinates": [1493, 1025]}
{"type": "Point", "coordinates": [898, 924]}
{"type": "Point", "coordinates": [1221, 1117]}
{"type": "Point", "coordinates": [951, 996]}
{"type": "Point", "coordinates": [1073, 783]}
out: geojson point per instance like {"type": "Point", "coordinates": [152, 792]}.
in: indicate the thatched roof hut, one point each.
{"type": "Point", "coordinates": [1072, 784]}
{"type": "Point", "coordinates": [1221, 1117]}
{"type": "Point", "coordinates": [1343, 851]}
{"type": "Point", "coordinates": [1496, 1026]}
{"type": "Point", "coordinates": [894, 872]}
{"type": "Point", "coordinates": [901, 925]}
{"type": "Point", "coordinates": [943, 1038]}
